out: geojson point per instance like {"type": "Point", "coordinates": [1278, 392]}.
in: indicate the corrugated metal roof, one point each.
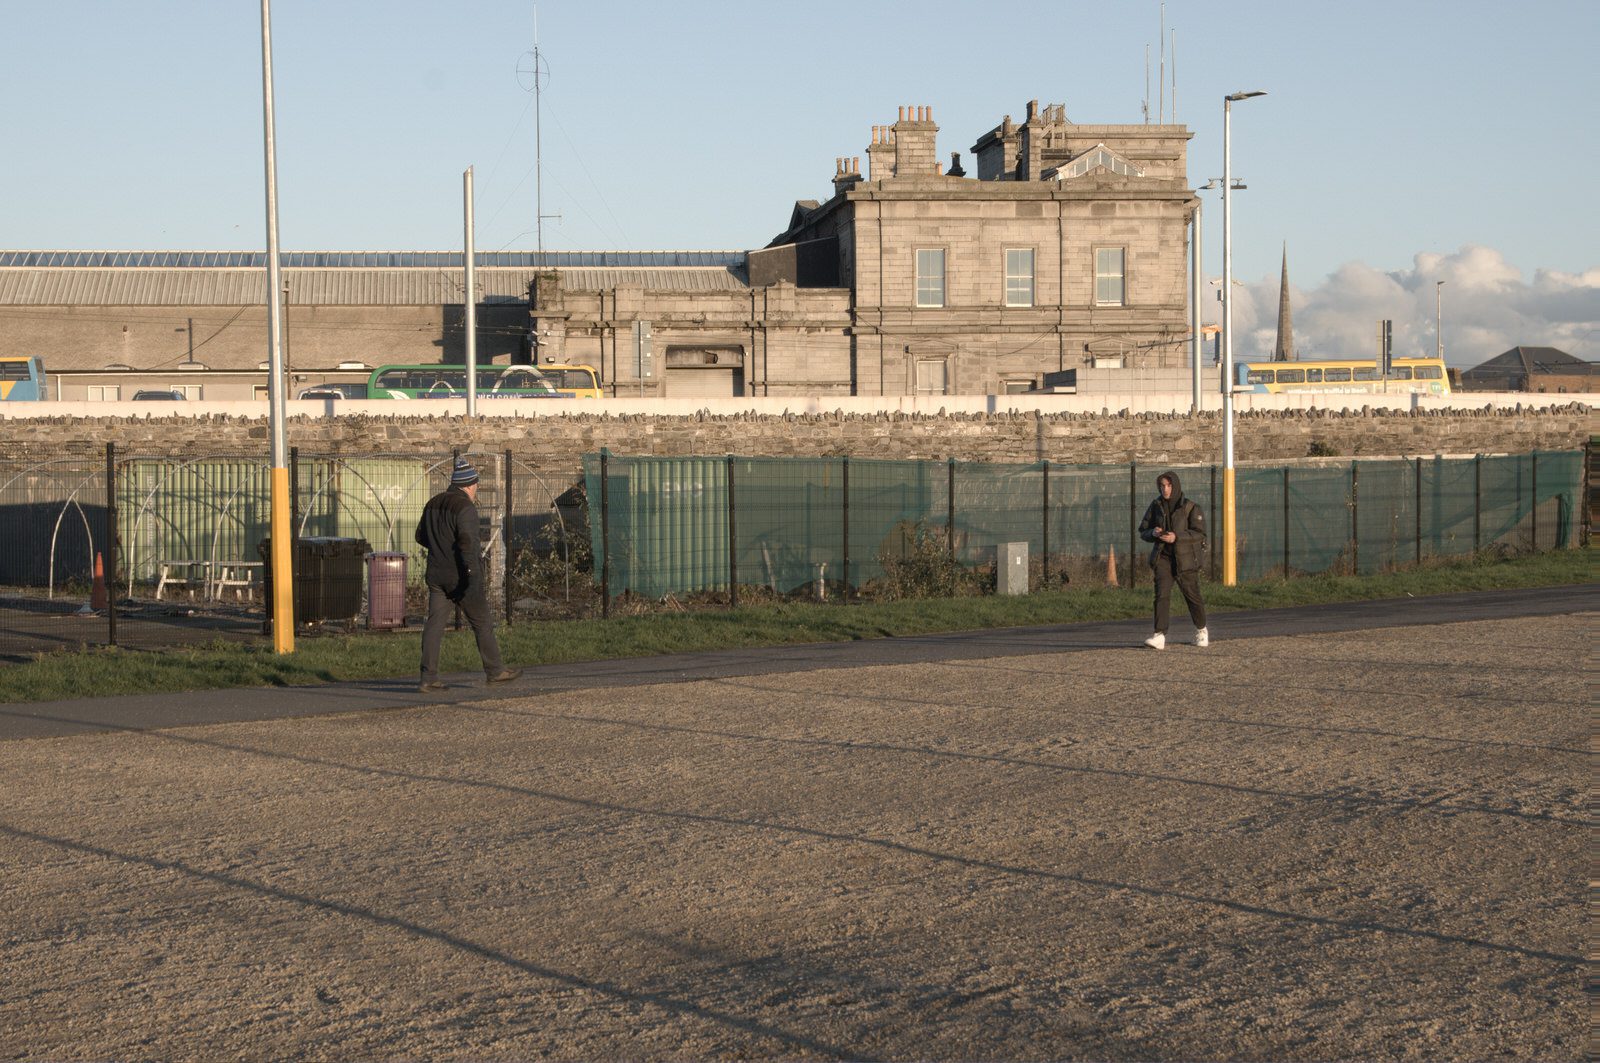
{"type": "Point", "coordinates": [128, 286]}
{"type": "Point", "coordinates": [362, 259]}
{"type": "Point", "coordinates": [247, 287]}
{"type": "Point", "coordinates": [675, 280]}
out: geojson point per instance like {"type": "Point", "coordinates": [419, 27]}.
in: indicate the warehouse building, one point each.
{"type": "Point", "coordinates": [1066, 249]}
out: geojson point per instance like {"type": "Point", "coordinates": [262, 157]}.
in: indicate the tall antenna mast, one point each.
{"type": "Point", "coordinates": [1146, 105]}
{"type": "Point", "coordinates": [538, 147]}
{"type": "Point", "coordinates": [1161, 93]}
{"type": "Point", "coordinates": [539, 75]}
{"type": "Point", "coordinates": [1174, 77]}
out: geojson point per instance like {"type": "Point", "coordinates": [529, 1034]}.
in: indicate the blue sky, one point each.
{"type": "Point", "coordinates": [1405, 138]}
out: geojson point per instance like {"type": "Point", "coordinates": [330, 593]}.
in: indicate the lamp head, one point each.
{"type": "Point", "coordinates": [1242, 96]}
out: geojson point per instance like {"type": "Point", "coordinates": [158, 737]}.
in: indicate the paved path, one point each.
{"type": "Point", "coordinates": [150, 711]}
{"type": "Point", "coordinates": [1350, 832]}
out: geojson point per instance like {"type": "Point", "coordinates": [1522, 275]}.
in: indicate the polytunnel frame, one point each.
{"type": "Point", "coordinates": [561, 521]}
{"type": "Point", "coordinates": [71, 500]}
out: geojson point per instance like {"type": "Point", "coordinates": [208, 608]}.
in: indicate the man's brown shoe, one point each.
{"type": "Point", "coordinates": [430, 686]}
{"type": "Point", "coordinates": [504, 675]}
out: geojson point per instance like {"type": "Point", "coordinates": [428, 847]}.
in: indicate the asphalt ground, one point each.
{"type": "Point", "coordinates": [149, 711]}
{"type": "Point", "coordinates": [1345, 832]}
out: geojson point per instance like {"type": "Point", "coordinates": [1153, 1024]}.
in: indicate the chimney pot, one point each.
{"type": "Point", "coordinates": [902, 112]}
{"type": "Point", "coordinates": [938, 168]}
{"type": "Point", "coordinates": [855, 164]}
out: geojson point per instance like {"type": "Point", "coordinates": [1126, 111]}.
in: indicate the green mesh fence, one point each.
{"type": "Point", "coordinates": [796, 528]}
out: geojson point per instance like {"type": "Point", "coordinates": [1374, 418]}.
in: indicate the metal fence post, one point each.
{"type": "Point", "coordinates": [1417, 475]}
{"type": "Point", "coordinates": [733, 548]}
{"type": "Point", "coordinates": [505, 537]}
{"type": "Point", "coordinates": [1477, 502]}
{"type": "Point", "coordinates": [1533, 507]}
{"type": "Point", "coordinates": [1211, 546]}
{"type": "Point", "coordinates": [1044, 538]}
{"type": "Point", "coordinates": [294, 495]}
{"type": "Point", "coordinates": [1286, 522]}
{"type": "Point", "coordinates": [111, 544]}
{"type": "Point", "coordinates": [844, 593]}
{"type": "Point", "coordinates": [950, 511]}
{"type": "Point", "coordinates": [1133, 520]}
{"type": "Point", "coordinates": [455, 456]}
{"type": "Point", "coordinates": [1355, 518]}
{"type": "Point", "coordinates": [605, 538]}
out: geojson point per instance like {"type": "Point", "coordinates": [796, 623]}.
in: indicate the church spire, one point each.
{"type": "Point", "coordinates": [1283, 351]}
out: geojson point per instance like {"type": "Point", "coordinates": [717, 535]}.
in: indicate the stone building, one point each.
{"type": "Point", "coordinates": [1067, 248]}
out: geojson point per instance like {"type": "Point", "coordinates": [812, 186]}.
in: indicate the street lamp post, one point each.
{"type": "Point", "coordinates": [1438, 319]}
{"type": "Point", "coordinates": [1230, 537]}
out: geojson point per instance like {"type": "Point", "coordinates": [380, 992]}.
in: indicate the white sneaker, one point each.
{"type": "Point", "coordinates": [1158, 641]}
{"type": "Point", "coordinates": [1202, 638]}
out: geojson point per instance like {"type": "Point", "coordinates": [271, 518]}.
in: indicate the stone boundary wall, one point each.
{"type": "Point", "coordinates": [555, 445]}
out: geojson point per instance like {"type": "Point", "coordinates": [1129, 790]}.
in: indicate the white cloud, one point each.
{"type": "Point", "coordinates": [1488, 308]}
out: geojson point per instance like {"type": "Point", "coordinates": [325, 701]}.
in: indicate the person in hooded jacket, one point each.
{"type": "Point", "coordinates": [1177, 528]}
{"type": "Point", "coordinates": [448, 530]}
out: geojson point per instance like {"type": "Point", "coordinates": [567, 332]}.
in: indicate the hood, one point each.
{"type": "Point", "coordinates": [1177, 485]}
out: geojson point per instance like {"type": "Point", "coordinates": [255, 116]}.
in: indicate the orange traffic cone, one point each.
{"type": "Point", "coordinates": [97, 595]}
{"type": "Point", "coordinates": [1111, 568]}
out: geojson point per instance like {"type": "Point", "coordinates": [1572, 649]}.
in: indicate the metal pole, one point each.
{"type": "Point", "coordinates": [1044, 550]}
{"type": "Point", "coordinates": [1355, 522]}
{"type": "Point", "coordinates": [1211, 545]}
{"type": "Point", "coordinates": [1418, 477]}
{"type": "Point", "coordinates": [505, 535]}
{"type": "Point", "coordinates": [605, 540]}
{"type": "Point", "coordinates": [844, 594]}
{"type": "Point", "coordinates": [1230, 552]}
{"type": "Point", "coordinates": [1286, 522]}
{"type": "Point", "coordinates": [469, 261]}
{"type": "Point", "coordinates": [1230, 542]}
{"type": "Point", "coordinates": [733, 546]}
{"type": "Point", "coordinates": [950, 512]}
{"type": "Point", "coordinates": [1197, 286]}
{"type": "Point", "coordinates": [111, 543]}
{"type": "Point", "coordinates": [294, 491]}
{"type": "Point", "coordinates": [1533, 508]}
{"type": "Point", "coordinates": [1477, 502]}
{"type": "Point", "coordinates": [282, 560]}
{"type": "Point", "coordinates": [1438, 319]}
{"type": "Point", "coordinates": [1133, 520]}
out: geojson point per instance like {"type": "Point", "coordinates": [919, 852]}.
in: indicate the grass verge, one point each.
{"type": "Point", "coordinates": [217, 666]}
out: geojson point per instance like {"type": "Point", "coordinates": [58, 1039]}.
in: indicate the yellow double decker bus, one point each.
{"type": "Point", "coordinates": [1419, 376]}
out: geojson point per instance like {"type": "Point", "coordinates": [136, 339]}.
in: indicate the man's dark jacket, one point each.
{"type": "Point", "coordinates": [1181, 516]}
{"type": "Point", "coordinates": [449, 530]}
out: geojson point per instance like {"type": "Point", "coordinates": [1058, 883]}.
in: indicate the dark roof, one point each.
{"type": "Point", "coordinates": [1522, 361]}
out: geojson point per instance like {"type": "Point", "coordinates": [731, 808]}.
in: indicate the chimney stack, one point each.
{"type": "Point", "coordinates": [846, 174]}
{"type": "Point", "coordinates": [915, 143]}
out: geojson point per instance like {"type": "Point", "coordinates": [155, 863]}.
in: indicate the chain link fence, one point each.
{"type": "Point", "coordinates": [150, 551]}
{"type": "Point", "coordinates": [839, 527]}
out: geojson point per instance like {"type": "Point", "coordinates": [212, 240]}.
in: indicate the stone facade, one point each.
{"type": "Point", "coordinates": [555, 445]}
{"type": "Point", "coordinates": [1058, 192]}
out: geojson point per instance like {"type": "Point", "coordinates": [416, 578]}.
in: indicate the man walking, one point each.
{"type": "Point", "coordinates": [448, 530]}
{"type": "Point", "coordinates": [1178, 529]}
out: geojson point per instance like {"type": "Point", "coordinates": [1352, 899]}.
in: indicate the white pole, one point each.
{"type": "Point", "coordinates": [468, 260]}
{"type": "Point", "coordinates": [1230, 538]}
{"type": "Point", "coordinates": [1197, 286]}
{"type": "Point", "coordinates": [1230, 556]}
{"type": "Point", "coordinates": [282, 554]}
{"type": "Point", "coordinates": [1438, 318]}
